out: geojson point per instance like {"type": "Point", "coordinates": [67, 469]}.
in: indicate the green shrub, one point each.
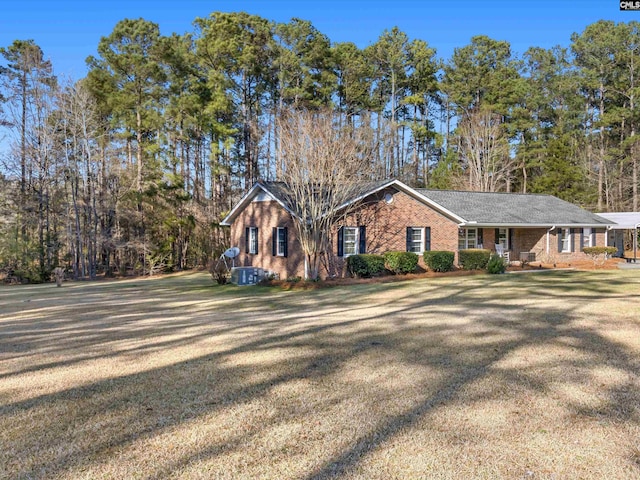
{"type": "Point", "coordinates": [474, 258]}
{"type": "Point", "coordinates": [365, 265]}
{"type": "Point", "coordinates": [600, 250]}
{"type": "Point", "coordinates": [401, 262]}
{"type": "Point", "coordinates": [439, 260]}
{"type": "Point", "coordinates": [599, 254]}
{"type": "Point", "coordinates": [496, 265]}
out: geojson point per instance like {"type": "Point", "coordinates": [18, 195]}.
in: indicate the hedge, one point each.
{"type": "Point", "coordinates": [365, 265]}
{"type": "Point", "coordinates": [599, 254]}
{"type": "Point", "coordinates": [595, 251]}
{"type": "Point", "coordinates": [401, 262]}
{"type": "Point", "coordinates": [439, 260]}
{"type": "Point", "coordinates": [474, 258]}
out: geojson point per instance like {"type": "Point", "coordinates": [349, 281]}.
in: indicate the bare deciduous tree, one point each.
{"type": "Point", "coordinates": [485, 149]}
{"type": "Point", "coordinates": [326, 164]}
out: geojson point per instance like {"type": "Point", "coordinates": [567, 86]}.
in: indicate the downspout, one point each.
{"type": "Point", "coordinates": [635, 244]}
{"type": "Point", "coordinates": [548, 232]}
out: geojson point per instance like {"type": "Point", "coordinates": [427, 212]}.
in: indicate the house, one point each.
{"type": "Point", "coordinates": [623, 234]}
{"type": "Point", "coordinates": [389, 215]}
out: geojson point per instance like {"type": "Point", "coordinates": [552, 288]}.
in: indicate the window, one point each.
{"type": "Point", "coordinates": [279, 246]}
{"type": "Point", "coordinates": [587, 239]}
{"type": "Point", "coordinates": [251, 238]}
{"type": "Point", "coordinates": [282, 242]}
{"type": "Point", "coordinates": [415, 239]}
{"type": "Point", "coordinates": [351, 241]}
{"type": "Point", "coordinates": [467, 238]}
{"type": "Point", "coordinates": [564, 240]}
{"type": "Point", "coordinates": [418, 239]}
{"type": "Point", "coordinates": [503, 238]}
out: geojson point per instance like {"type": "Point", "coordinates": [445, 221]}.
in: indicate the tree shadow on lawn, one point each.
{"type": "Point", "coordinates": [104, 418]}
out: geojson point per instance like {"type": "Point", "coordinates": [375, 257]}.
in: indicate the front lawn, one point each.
{"type": "Point", "coordinates": [514, 376]}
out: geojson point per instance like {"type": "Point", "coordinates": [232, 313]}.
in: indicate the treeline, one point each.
{"type": "Point", "coordinates": [132, 168]}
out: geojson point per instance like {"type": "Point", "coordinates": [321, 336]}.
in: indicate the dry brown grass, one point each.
{"type": "Point", "coordinates": [512, 376]}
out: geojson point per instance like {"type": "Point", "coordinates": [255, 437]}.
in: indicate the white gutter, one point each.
{"type": "Point", "coordinates": [548, 232]}
{"type": "Point", "coordinates": [635, 244]}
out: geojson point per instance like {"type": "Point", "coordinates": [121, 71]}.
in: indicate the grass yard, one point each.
{"type": "Point", "coordinates": [531, 375]}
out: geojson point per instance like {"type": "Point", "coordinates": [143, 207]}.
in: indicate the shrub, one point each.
{"type": "Point", "coordinates": [599, 254]}
{"type": "Point", "coordinates": [365, 265]}
{"type": "Point", "coordinates": [474, 258]}
{"type": "Point", "coordinates": [496, 265]}
{"type": "Point", "coordinates": [219, 272]}
{"type": "Point", "coordinates": [439, 260]}
{"type": "Point", "coordinates": [401, 262]}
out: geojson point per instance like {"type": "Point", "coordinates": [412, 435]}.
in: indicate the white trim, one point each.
{"type": "Point", "coordinates": [406, 189]}
{"type": "Point", "coordinates": [247, 198]}
{"type": "Point", "coordinates": [567, 238]}
{"type": "Point", "coordinates": [531, 225]}
{"type": "Point", "coordinates": [356, 242]}
{"type": "Point", "coordinates": [280, 253]}
{"type": "Point", "coordinates": [253, 238]}
{"type": "Point", "coordinates": [466, 238]}
{"type": "Point", "coordinates": [423, 239]}
{"type": "Point", "coordinates": [589, 237]}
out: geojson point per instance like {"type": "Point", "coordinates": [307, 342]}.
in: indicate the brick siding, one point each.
{"type": "Point", "coordinates": [386, 225]}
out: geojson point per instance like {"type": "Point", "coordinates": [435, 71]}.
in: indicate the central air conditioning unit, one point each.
{"type": "Point", "coordinates": [246, 275]}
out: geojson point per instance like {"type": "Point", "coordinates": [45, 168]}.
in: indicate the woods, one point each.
{"type": "Point", "coordinates": [131, 169]}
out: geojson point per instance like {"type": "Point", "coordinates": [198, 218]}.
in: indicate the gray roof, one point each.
{"type": "Point", "coordinates": [282, 193]}
{"type": "Point", "coordinates": [489, 209]}
{"type": "Point", "coordinates": [466, 208]}
{"type": "Point", "coordinates": [624, 220]}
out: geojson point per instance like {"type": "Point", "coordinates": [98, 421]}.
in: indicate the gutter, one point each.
{"type": "Point", "coordinates": [548, 233]}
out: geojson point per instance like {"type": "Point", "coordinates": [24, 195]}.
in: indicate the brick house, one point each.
{"type": "Point", "coordinates": [389, 215]}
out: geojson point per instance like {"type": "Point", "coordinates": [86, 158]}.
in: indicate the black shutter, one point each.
{"type": "Point", "coordinates": [362, 239]}
{"type": "Point", "coordinates": [427, 238]}
{"type": "Point", "coordinates": [274, 242]}
{"type": "Point", "coordinates": [510, 233]}
{"type": "Point", "coordinates": [286, 241]}
{"type": "Point", "coordinates": [246, 240]}
{"type": "Point", "coordinates": [341, 242]}
{"type": "Point", "coordinates": [480, 239]}
{"type": "Point", "coordinates": [581, 238]}
{"type": "Point", "coordinates": [497, 237]}
{"type": "Point", "coordinates": [572, 239]}
{"type": "Point", "coordinates": [559, 235]}
{"type": "Point", "coordinates": [409, 230]}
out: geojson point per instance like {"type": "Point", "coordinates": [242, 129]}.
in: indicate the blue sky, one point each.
{"type": "Point", "coordinates": [69, 30]}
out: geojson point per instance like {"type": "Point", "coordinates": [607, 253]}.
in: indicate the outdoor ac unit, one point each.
{"type": "Point", "coordinates": [246, 275]}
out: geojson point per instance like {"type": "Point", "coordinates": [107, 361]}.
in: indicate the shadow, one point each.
{"type": "Point", "coordinates": [318, 383]}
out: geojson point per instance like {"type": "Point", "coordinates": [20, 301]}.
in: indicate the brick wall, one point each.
{"type": "Point", "coordinates": [535, 240]}
{"type": "Point", "coordinates": [266, 215]}
{"type": "Point", "coordinates": [387, 225]}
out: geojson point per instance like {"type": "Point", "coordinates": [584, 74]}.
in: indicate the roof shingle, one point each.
{"type": "Point", "coordinates": [487, 208]}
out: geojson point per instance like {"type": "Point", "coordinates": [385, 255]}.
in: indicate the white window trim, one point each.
{"type": "Point", "coordinates": [566, 239]}
{"type": "Point", "coordinates": [253, 240]}
{"type": "Point", "coordinates": [505, 245]}
{"type": "Point", "coordinates": [422, 238]}
{"type": "Point", "coordinates": [466, 238]}
{"type": "Point", "coordinates": [356, 237]}
{"type": "Point", "coordinates": [279, 250]}
{"type": "Point", "coordinates": [588, 237]}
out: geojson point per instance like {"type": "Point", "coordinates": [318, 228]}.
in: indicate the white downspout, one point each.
{"type": "Point", "coordinates": [548, 232]}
